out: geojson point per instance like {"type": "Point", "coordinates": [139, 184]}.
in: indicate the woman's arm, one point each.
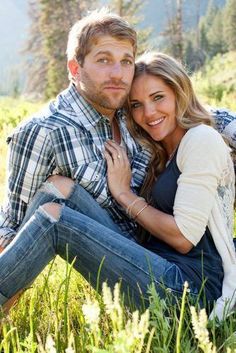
{"type": "Point", "coordinates": [159, 224]}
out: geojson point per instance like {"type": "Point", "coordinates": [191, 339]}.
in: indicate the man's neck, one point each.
{"type": "Point", "coordinates": [109, 113]}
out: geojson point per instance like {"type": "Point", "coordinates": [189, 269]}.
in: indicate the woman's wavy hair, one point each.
{"type": "Point", "coordinates": [189, 111]}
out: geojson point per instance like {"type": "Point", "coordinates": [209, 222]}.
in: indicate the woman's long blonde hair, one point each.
{"type": "Point", "coordinates": [189, 111]}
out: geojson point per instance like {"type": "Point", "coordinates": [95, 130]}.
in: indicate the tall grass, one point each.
{"type": "Point", "coordinates": [61, 312]}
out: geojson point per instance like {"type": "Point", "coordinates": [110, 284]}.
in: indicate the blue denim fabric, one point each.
{"type": "Point", "coordinates": [90, 243]}
{"type": "Point", "coordinates": [79, 200]}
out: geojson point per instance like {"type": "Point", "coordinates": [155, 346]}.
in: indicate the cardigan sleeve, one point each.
{"type": "Point", "coordinates": [201, 159]}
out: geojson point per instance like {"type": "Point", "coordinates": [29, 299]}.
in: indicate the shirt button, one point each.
{"type": "Point", "coordinates": [96, 177]}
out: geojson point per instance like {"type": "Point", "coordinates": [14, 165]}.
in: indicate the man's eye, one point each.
{"type": "Point", "coordinates": [135, 105]}
{"type": "Point", "coordinates": [127, 62]}
{"type": "Point", "coordinates": [103, 60]}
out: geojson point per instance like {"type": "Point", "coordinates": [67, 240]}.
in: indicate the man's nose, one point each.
{"type": "Point", "coordinates": [116, 71]}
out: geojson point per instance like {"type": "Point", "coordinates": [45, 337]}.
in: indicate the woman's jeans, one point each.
{"type": "Point", "coordinates": [76, 236]}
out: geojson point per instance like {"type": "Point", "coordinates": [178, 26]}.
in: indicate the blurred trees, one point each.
{"type": "Point", "coordinates": [213, 33]}
{"type": "Point", "coordinates": [230, 24]}
{"type": "Point", "coordinates": [130, 10]}
{"type": "Point", "coordinates": [51, 21]}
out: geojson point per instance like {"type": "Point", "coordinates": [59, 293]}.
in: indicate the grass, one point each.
{"type": "Point", "coordinates": [60, 312]}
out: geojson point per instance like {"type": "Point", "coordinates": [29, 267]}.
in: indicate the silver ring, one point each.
{"type": "Point", "coordinates": [118, 156]}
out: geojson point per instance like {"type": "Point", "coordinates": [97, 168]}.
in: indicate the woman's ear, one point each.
{"type": "Point", "coordinates": [73, 68]}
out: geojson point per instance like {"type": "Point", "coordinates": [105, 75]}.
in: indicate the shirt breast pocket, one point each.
{"type": "Point", "coordinates": [92, 176]}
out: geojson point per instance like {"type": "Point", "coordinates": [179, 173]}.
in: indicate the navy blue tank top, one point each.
{"type": "Point", "coordinates": [203, 263]}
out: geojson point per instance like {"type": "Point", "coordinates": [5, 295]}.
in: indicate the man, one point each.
{"type": "Point", "coordinates": [68, 137]}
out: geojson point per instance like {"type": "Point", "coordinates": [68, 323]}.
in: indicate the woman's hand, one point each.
{"type": "Point", "coordinates": [118, 169]}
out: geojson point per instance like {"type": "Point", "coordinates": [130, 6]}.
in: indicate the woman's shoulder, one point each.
{"type": "Point", "coordinates": [205, 137]}
{"type": "Point", "coordinates": [202, 144]}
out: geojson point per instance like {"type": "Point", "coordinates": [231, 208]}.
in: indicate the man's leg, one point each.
{"type": "Point", "coordinates": [55, 228]}
{"type": "Point", "coordinates": [77, 198]}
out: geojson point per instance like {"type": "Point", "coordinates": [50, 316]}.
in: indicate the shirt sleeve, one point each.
{"type": "Point", "coordinates": [201, 158]}
{"type": "Point", "coordinates": [30, 162]}
{"type": "Point", "coordinates": [225, 123]}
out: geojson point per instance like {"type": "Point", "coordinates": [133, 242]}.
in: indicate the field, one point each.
{"type": "Point", "coordinates": [60, 312]}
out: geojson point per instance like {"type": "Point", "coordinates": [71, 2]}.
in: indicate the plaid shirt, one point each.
{"type": "Point", "coordinates": [225, 123]}
{"type": "Point", "coordinates": [67, 138]}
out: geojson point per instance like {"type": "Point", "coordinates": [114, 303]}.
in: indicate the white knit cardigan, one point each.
{"type": "Point", "coordinates": [205, 197]}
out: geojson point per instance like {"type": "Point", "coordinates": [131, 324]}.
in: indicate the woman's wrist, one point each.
{"type": "Point", "coordinates": [124, 198]}
{"type": "Point", "coordinates": [134, 205]}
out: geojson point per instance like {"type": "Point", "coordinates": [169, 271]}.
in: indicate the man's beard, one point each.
{"type": "Point", "coordinates": [97, 96]}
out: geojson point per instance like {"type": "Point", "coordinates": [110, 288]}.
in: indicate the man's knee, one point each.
{"type": "Point", "coordinates": [62, 184]}
{"type": "Point", "coordinates": [52, 209]}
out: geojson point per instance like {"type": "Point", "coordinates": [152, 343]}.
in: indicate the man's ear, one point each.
{"type": "Point", "coordinates": [74, 68]}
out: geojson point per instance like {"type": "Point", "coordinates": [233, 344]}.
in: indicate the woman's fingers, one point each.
{"type": "Point", "coordinates": [116, 151]}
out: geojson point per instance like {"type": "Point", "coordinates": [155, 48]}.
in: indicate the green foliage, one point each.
{"type": "Point", "coordinates": [51, 21]}
{"type": "Point", "coordinates": [12, 112]}
{"type": "Point", "coordinates": [230, 24]}
{"type": "Point", "coordinates": [61, 313]}
{"type": "Point", "coordinates": [130, 10]}
{"type": "Point", "coordinates": [216, 81]}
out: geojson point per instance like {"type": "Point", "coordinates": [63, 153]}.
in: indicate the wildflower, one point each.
{"type": "Point", "coordinates": [91, 311]}
{"type": "Point", "coordinates": [50, 345]}
{"type": "Point", "coordinates": [113, 307]}
{"type": "Point", "coordinates": [201, 333]}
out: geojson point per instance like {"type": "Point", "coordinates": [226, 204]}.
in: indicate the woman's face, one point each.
{"type": "Point", "coordinates": [153, 107]}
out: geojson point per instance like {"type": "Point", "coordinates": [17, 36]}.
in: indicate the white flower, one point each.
{"type": "Point", "coordinates": [91, 311]}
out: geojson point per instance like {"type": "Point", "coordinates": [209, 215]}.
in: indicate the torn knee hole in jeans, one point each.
{"type": "Point", "coordinates": [50, 188]}
{"type": "Point", "coordinates": [48, 213]}
{"type": "Point", "coordinates": [60, 186]}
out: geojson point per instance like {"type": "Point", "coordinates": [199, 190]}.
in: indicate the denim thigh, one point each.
{"type": "Point", "coordinates": [79, 200]}
{"type": "Point", "coordinates": [92, 244]}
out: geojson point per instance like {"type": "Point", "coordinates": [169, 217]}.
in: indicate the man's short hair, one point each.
{"type": "Point", "coordinates": [98, 23]}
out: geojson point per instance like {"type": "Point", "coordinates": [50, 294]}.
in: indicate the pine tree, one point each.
{"type": "Point", "coordinates": [36, 61]}
{"type": "Point", "coordinates": [130, 10]}
{"type": "Point", "coordinates": [230, 24]}
{"type": "Point", "coordinates": [52, 23]}
{"type": "Point", "coordinates": [211, 38]}
{"type": "Point", "coordinates": [173, 32]}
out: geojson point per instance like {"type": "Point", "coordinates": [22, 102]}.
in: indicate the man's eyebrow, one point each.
{"type": "Point", "coordinates": [108, 53]}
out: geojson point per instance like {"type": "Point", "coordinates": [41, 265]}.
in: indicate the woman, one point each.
{"type": "Point", "coordinates": [186, 208]}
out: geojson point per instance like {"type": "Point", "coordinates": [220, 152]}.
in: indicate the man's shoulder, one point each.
{"type": "Point", "coordinates": [47, 120]}
{"type": "Point", "coordinates": [222, 117]}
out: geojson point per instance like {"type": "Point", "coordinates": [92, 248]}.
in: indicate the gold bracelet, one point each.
{"type": "Point", "coordinates": [142, 209]}
{"type": "Point", "coordinates": [131, 205]}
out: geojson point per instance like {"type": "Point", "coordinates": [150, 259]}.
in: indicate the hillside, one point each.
{"type": "Point", "coordinates": [216, 82]}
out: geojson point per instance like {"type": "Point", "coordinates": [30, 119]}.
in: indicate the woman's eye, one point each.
{"type": "Point", "coordinates": [158, 97]}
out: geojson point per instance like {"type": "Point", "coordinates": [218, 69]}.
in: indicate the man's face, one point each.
{"type": "Point", "coordinates": [105, 78]}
